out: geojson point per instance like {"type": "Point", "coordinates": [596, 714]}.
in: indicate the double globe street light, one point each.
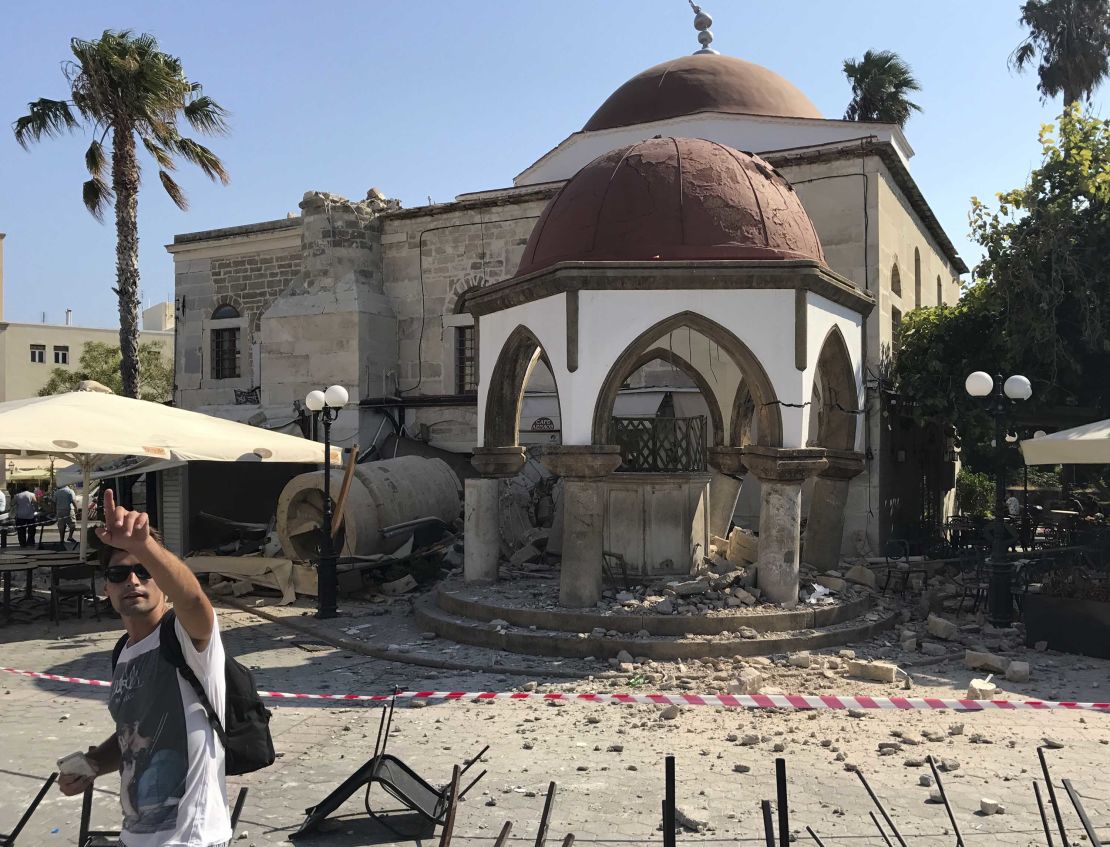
{"type": "Point", "coordinates": [1001, 396]}
{"type": "Point", "coordinates": [327, 404]}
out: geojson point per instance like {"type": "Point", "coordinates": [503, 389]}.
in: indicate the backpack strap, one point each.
{"type": "Point", "coordinates": [170, 649]}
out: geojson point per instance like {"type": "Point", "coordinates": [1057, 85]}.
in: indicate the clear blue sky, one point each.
{"type": "Point", "coordinates": [439, 98]}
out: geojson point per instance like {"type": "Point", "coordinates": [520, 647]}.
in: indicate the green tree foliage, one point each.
{"type": "Point", "coordinates": [101, 362]}
{"type": "Point", "coordinates": [974, 494]}
{"type": "Point", "coordinates": [1069, 41]}
{"type": "Point", "coordinates": [881, 84]}
{"type": "Point", "coordinates": [123, 86]}
{"type": "Point", "coordinates": [1041, 305]}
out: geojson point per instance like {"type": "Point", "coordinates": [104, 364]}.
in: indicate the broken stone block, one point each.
{"type": "Point", "coordinates": [742, 546]}
{"type": "Point", "coordinates": [800, 660]}
{"type": "Point", "coordinates": [909, 644]}
{"type": "Point", "coordinates": [689, 588]}
{"type": "Point", "coordinates": [925, 780]}
{"type": "Point", "coordinates": [739, 768]}
{"type": "Point", "coordinates": [940, 628]}
{"type": "Point", "coordinates": [876, 671]}
{"type": "Point", "coordinates": [624, 658]}
{"type": "Point", "coordinates": [935, 796]}
{"type": "Point", "coordinates": [862, 575]}
{"type": "Point", "coordinates": [625, 597]}
{"type": "Point", "coordinates": [981, 689]}
{"type": "Point", "coordinates": [399, 586]}
{"type": "Point", "coordinates": [931, 648]}
{"type": "Point", "coordinates": [665, 607]}
{"type": "Point", "coordinates": [1052, 743]}
{"type": "Point", "coordinates": [1018, 672]}
{"type": "Point", "coordinates": [748, 681]}
{"type": "Point", "coordinates": [669, 713]}
{"type": "Point", "coordinates": [833, 583]}
{"type": "Point", "coordinates": [745, 598]}
{"type": "Point", "coordinates": [977, 661]}
{"type": "Point", "coordinates": [989, 806]}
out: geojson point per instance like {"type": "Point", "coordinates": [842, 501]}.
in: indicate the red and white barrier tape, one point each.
{"type": "Point", "coordinates": [729, 701]}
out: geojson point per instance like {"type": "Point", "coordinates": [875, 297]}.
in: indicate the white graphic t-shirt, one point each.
{"type": "Point", "coordinates": [172, 787]}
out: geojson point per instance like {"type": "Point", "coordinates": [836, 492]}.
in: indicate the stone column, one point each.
{"type": "Point", "coordinates": [482, 513]}
{"type": "Point", "coordinates": [825, 530]}
{"type": "Point", "coordinates": [583, 469]}
{"type": "Point", "coordinates": [781, 473]}
{"type": "Point", "coordinates": [727, 469]}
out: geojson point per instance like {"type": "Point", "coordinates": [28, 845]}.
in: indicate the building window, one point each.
{"type": "Point", "coordinates": [38, 354]}
{"type": "Point", "coordinates": [916, 278]}
{"type": "Point", "coordinates": [61, 355]}
{"type": "Point", "coordinates": [225, 353]}
{"type": "Point", "coordinates": [895, 328]}
{"type": "Point", "coordinates": [466, 371]}
{"type": "Point", "coordinates": [896, 281]}
{"type": "Point", "coordinates": [224, 312]}
{"type": "Point", "coordinates": [940, 292]}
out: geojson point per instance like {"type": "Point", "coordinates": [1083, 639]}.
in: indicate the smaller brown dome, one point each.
{"type": "Point", "coordinates": [672, 199]}
{"type": "Point", "coordinates": [703, 82]}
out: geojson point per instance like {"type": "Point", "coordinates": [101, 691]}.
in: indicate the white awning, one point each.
{"type": "Point", "coordinates": [1082, 445]}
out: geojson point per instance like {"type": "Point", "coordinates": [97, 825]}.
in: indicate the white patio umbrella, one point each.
{"type": "Point", "coordinates": [1082, 445]}
{"type": "Point", "coordinates": [88, 427]}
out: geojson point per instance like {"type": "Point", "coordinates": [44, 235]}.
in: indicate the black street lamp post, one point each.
{"type": "Point", "coordinates": [1000, 601]}
{"type": "Point", "coordinates": [326, 405]}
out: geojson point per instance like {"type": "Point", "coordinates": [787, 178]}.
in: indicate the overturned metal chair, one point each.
{"type": "Point", "coordinates": [434, 805]}
{"type": "Point", "coordinates": [7, 839]}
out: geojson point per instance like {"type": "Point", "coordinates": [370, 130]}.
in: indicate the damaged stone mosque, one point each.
{"type": "Point", "coordinates": [683, 311]}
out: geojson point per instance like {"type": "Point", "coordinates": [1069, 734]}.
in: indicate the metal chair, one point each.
{"type": "Point", "coordinates": [7, 839]}
{"type": "Point", "coordinates": [434, 805]}
{"type": "Point", "coordinates": [973, 583]}
{"type": "Point", "coordinates": [110, 838]}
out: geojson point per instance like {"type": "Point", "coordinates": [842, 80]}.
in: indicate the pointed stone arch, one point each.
{"type": "Point", "coordinates": [839, 392]}
{"type": "Point", "coordinates": [519, 355]}
{"type": "Point", "coordinates": [671, 358]}
{"type": "Point", "coordinates": [753, 374]}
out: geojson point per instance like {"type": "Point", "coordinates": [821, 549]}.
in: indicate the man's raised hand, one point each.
{"type": "Point", "coordinates": [124, 529]}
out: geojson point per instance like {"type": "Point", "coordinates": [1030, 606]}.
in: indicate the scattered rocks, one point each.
{"type": "Point", "coordinates": [982, 689]}
{"type": "Point", "coordinates": [956, 729]}
{"type": "Point", "coordinates": [862, 575]}
{"type": "Point", "coordinates": [800, 660]}
{"type": "Point", "coordinates": [989, 806]}
{"type": "Point", "coordinates": [688, 823]}
{"type": "Point", "coordinates": [749, 740]}
{"type": "Point", "coordinates": [940, 628]}
{"type": "Point", "coordinates": [1052, 743]}
{"type": "Point", "coordinates": [665, 607]}
{"type": "Point", "coordinates": [624, 658]}
{"type": "Point", "coordinates": [739, 768]}
{"type": "Point", "coordinates": [876, 671]}
{"type": "Point", "coordinates": [1017, 672]}
{"type": "Point", "coordinates": [669, 713]}
{"type": "Point", "coordinates": [925, 780]}
{"type": "Point", "coordinates": [935, 796]}
{"type": "Point", "coordinates": [748, 681]}
{"type": "Point", "coordinates": [931, 648]}
{"type": "Point", "coordinates": [976, 661]}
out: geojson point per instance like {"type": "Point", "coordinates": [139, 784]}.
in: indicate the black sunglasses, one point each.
{"type": "Point", "coordinates": [120, 573]}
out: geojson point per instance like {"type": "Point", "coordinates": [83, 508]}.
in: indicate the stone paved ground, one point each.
{"type": "Point", "coordinates": [607, 760]}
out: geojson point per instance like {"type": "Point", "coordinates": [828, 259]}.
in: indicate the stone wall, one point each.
{"type": "Point", "coordinates": [252, 282]}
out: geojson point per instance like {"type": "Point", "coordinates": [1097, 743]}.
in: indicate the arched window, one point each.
{"type": "Point", "coordinates": [940, 291]}
{"type": "Point", "coordinates": [896, 281]}
{"type": "Point", "coordinates": [225, 343]}
{"type": "Point", "coordinates": [461, 347]}
{"type": "Point", "coordinates": [916, 278]}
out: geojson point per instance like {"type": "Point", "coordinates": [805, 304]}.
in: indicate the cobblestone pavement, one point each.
{"type": "Point", "coordinates": [606, 760]}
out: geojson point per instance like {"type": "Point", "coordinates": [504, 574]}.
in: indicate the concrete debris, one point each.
{"type": "Point", "coordinates": [399, 586]}
{"type": "Point", "coordinates": [689, 588]}
{"type": "Point", "coordinates": [979, 661]}
{"type": "Point", "coordinates": [669, 713]}
{"type": "Point", "coordinates": [833, 583]}
{"type": "Point", "coordinates": [749, 740]}
{"type": "Point", "coordinates": [624, 657]}
{"type": "Point", "coordinates": [800, 660]}
{"type": "Point", "coordinates": [931, 648]}
{"type": "Point", "coordinates": [935, 796]}
{"type": "Point", "coordinates": [862, 575]}
{"type": "Point", "coordinates": [1017, 672]}
{"type": "Point", "coordinates": [876, 671]}
{"type": "Point", "coordinates": [940, 628]}
{"type": "Point", "coordinates": [989, 806]}
{"type": "Point", "coordinates": [982, 689]}
{"type": "Point", "coordinates": [688, 823]}
{"type": "Point", "coordinates": [665, 606]}
{"type": "Point", "coordinates": [748, 681]}
{"type": "Point", "coordinates": [925, 780]}
{"type": "Point", "coordinates": [527, 553]}
{"type": "Point", "coordinates": [739, 768]}
{"type": "Point", "coordinates": [956, 729]}
{"type": "Point", "coordinates": [743, 546]}
{"type": "Point", "coordinates": [1052, 743]}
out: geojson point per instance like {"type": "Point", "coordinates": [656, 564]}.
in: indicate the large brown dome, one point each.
{"type": "Point", "coordinates": [672, 199]}
{"type": "Point", "coordinates": [703, 82]}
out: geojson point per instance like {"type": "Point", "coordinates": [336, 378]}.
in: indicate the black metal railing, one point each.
{"type": "Point", "coordinates": [661, 445]}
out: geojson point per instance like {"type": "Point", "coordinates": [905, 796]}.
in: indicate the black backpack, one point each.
{"type": "Point", "coordinates": [245, 730]}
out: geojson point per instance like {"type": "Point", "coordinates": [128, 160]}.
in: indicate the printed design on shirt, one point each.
{"type": "Point", "coordinates": [150, 726]}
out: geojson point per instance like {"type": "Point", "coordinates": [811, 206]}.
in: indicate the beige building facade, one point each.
{"type": "Point", "coordinates": [373, 296]}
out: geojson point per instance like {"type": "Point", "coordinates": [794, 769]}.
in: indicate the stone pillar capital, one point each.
{"type": "Point", "coordinates": [785, 464]}
{"type": "Point", "coordinates": [728, 460]}
{"type": "Point", "coordinates": [498, 462]}
{"type": "Point", "coordinates": [582, 462]}
{"type": "Point", "coordinates": [843, 464]}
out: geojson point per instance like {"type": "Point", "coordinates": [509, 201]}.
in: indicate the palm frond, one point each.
{"type": "Point", "coordinates": [49, 118]}
{"type": "Point", "coordinates": [97, 196]}
{"type": "Point", "coordinates": [203, 158]}
{"type": "Point", "coordinates": [95, 160]}
{"type": "Point", "coordinates": [174, 190]}
{"type": "Point", "coordinates": [160, 154]}
{"type": "Point", "coordinates": [206, 115]}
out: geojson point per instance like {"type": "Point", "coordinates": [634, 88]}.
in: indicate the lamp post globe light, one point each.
{"type": "Point", "coordinates": [1001, 396]}
{"type": "Point", "coordinates": [327, 404]}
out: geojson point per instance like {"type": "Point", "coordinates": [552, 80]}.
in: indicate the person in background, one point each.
{"type": "Point", "coordinates": [65, 512]}
{"type": "Point", "coordinates": [25, 506]}
{"type": "Point", "coordinates": [3, 503]}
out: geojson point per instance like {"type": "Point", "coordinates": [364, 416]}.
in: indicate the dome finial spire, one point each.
{"type": "Point", "coordinates": [702, 23]}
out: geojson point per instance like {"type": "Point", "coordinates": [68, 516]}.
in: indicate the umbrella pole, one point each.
{"type": "Point", "coordinates": [86, 461]}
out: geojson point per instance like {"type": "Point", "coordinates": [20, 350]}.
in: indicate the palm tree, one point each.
{"type": "Point", "coordinates": [881, 81]}
{"type": "Point", "coordinates": [123, 86]}
{"type": "Point", "coordinates": [1071, 39]}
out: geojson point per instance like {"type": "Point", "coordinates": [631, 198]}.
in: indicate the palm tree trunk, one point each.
{"type": "Point", "coordinates": [125, 184]}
